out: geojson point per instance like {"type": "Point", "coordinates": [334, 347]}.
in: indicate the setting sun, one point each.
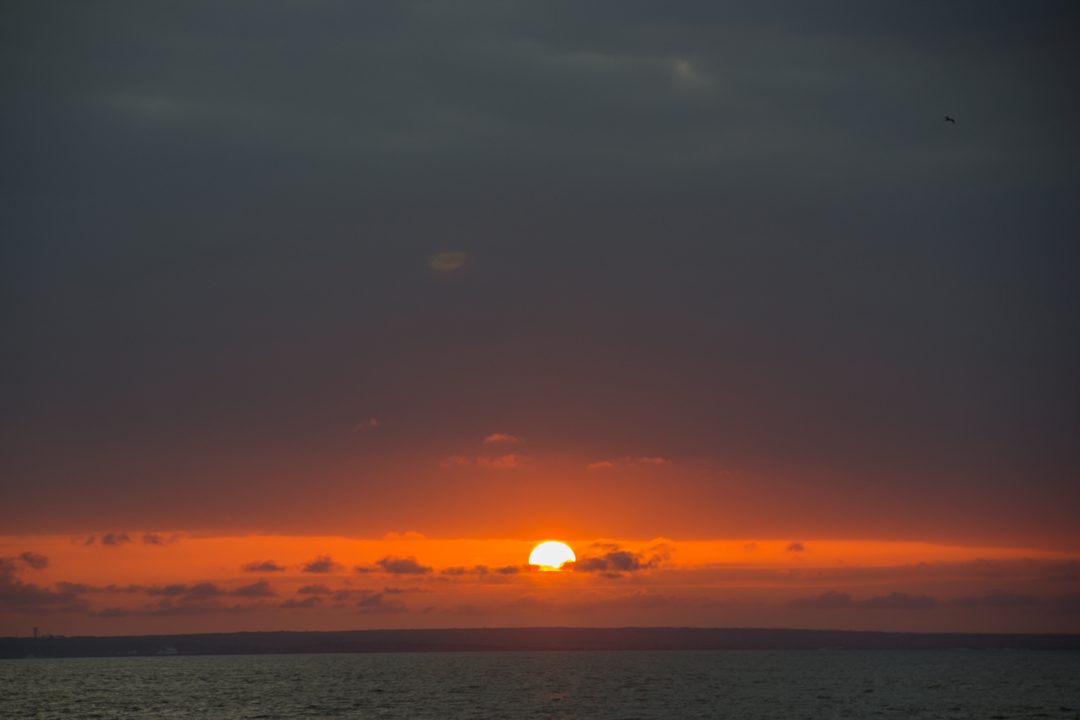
{"type": "Point", "coordinates": [551, 555]}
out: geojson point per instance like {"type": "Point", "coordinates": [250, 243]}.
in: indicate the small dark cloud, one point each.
{"type": "Point", "coordinates": [825, 601]}
{"type": "Point", "coordinates": [264, 566]}
{"type": "Point", "coordinates": [893, 601]}
{"type": "Point", "coordinates": [202, 590]}
{"type": "Point", "coordinates": [459, 571]}
{"type": "Point", "coordinates": [317, 589]}
{"type": "Point", "coordinates": [152, 539]}
{"type": "Point", "coordinates": [308, 602]}
{"type": "Point", "coordinates": [402, 566]}
{"type": "Point", "coordinates": [260, 589]}
{"type": "Point", "coordinates": [1067, 604]}
{"type": "Point", "coordinates": [378, 603]}
{"type": "Point", "coordinates": [169, 607]}
{"type": "Point", "coordinates": [34, 560]}
{"type": "Point", "coordinates": [127, 589]}
{"type": "Point", "coordinates": [997, 600]}
{"type": "Point", "coordinates": [115, 539]}
{"type": "Point", "coordinates": [616, 561]}
{"type": "Point", "coordinates": [898, 601]}
{"type": "Point", "coordinates": [76, 588]}
{"type": "Point", "coordinates": [484, 570]}
{"type": "Point", "coordinates": [795, 547]}
{"type": "Point", "coordinates": [322, 564]}
{"type": "Point", "coordinates": [186, 593]}
{"type": "Point", "coordinates": [113, 612]}
{"type": "Point", "coordinates": [17, 596]}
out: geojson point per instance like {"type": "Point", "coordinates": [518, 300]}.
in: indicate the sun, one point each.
{"type": "Point", "coordinates": [551, 554]}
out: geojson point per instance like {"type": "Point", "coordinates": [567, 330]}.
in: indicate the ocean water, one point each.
{"type": "Point", "coordinates": [725, 684]}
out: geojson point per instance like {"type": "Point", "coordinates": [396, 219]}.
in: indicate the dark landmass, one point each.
{"type": "Point", "coordinates": [494, 639]}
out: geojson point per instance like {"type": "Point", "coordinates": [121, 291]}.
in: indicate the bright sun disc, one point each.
{"type": "Point", "coordinates": [551, 555]}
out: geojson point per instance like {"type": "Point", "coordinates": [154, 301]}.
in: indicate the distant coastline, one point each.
{"type": "Point", "coordinates": [518, 639]}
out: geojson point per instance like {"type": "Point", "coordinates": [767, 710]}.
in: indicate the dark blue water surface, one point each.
{"type": "Point", "coordinates": [724, 684]}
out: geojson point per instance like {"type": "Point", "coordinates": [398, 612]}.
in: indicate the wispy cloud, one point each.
{"type": "Point", "coordinates": [447, 260]}
{"type": "Point", "coordinates": [454, 461]}
{"type": "Point", "coordinates": [501, 439]}
{"type": "Point", "coordinates": [263, 566]}
{"type": "Point", "coordinates": [511, 461]}
{"type": "Point", "coordinates": [637, 461]}
{"type": "Point", "coordinates": [368, 425]}
{"type": "Point", "coordinates": [115, 539]}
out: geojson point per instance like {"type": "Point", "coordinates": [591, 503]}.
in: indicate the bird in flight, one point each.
{"type": "Point", "coordinates": [950, 120]}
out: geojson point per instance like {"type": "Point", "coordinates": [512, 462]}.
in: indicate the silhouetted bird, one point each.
{"type": "Point", "coordinates": [949, 119]}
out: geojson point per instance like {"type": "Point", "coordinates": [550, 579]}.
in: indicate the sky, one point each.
{"type": "Point", "coordinates": [710, 291]}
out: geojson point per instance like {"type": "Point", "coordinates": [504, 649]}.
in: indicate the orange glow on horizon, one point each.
{"type": "Point", "coordinates": [163, 582]}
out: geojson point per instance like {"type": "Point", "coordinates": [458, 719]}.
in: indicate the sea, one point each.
{"type": "Point", "coordinates": [987, 685]}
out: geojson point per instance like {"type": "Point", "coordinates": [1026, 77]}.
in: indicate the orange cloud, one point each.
{"type": "Point", "coordinates": [447, 260]}
{"type": "Point", "coordinates": [630, 461]}
{"type": "Point", "coordinates": [504, 462]}
{"type": "Point", "coordinates": [509, 461]}
{"type": "Point", "coordinates": [407, 535]}
{"type": "Point", "coordinates": [454, 461]}
{"type": "Point", "coordinates": [501, 438]}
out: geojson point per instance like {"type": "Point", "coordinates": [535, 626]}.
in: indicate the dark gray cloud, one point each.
{"type": "Point", "coordinates": [898, 601]}
{"type": "Point", "coordinates": [114, 539]}
{"type": "Point", "coordinates": [402, 566]}
{"type": "Point", "coordinates": [306, 603]}
{"type": "Point", "coordinates": [611, 561]}
{"type": "Point", "coordinates": [19, 596]}
{"type": "Point", "coordinates": [260, 589]}
{"type": "Point", "coordinates": [995, 601]}
{"type": "Point", "coordinates": [153, 539]}
{"type": "Point", "coordinates": [998, 599]}
{"type": "Point", "coordinates": [186, 593]}
{"type": "Point", "coordinates": [317, 589]}
{"type": "Point", "coordinates": [770, 251]}
{"type": "Point", "coordinates": [379, 603]}
{"type": "Point", "coordinates": [264, 566]}
{"type": "Point", "coordinates": [34, 560]}
{"type": "Point", "coordinates": [824, 601]}
{"type": "Point", "coordinates": [169, 608]}
{"type": "Point", "coordinates": [484, 570]}
{"type": "Point", "coordinates": [322, 564]}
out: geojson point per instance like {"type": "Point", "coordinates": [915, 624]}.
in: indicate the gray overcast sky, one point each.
{"type": "Point", "coordinates": [737, 235]}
